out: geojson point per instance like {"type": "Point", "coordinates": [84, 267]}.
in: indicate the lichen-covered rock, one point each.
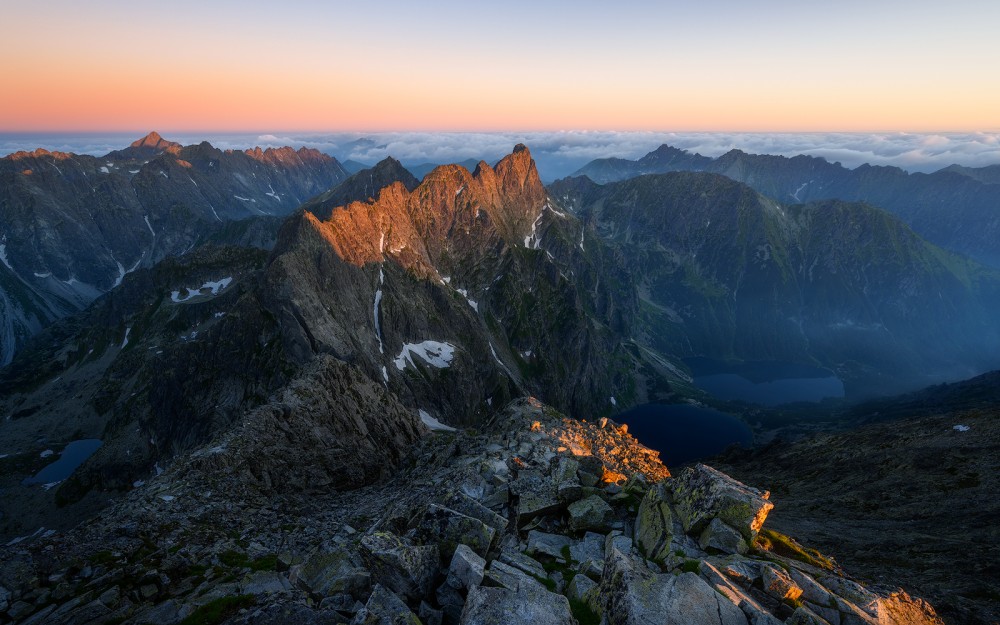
{"type": "Point", "coordinates": [701, 493]}
{"type": "Point", "coordinates": [405, 569]}
{"type": "Point", "coordinates": [536, 503]}
{"type": "Point", "coordinates": [466, 567]}
{"type": "Point", "coordinates": [579, 586]}
{"type": "Point", "coordinates": [527, 606]}
{"type": "Point", "coordinates": [328, 574]}
{"type": "Point", "coordinates": [719, 536]}
{"type": "Point", "coordinates": [654, 523]}
{"type": "Point", "coordinates": [385, 608]}
{"type": "Point", "coordinates": [449, 528]}
{"type": "Point", "coordinates": [592, 513]}
{"type": "Point", "coordinates": [632, 594]}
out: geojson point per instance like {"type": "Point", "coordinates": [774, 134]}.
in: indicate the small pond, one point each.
{"type": "Point", "coordinates": [71, 457]}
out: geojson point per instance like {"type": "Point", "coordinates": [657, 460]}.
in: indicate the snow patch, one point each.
{"type": "Point", "coordinates": [125, 342]}
{"type": "Point", "coordinates": [533, 241]}
{"type": "Point", "coordinates": [614, 402]}
{"type": "Point", "coordinates": [245, 199]}
{"type": "Point", "coordinates": [43, 275]}
{"type": "Point", "coordinates": [272, 193]}
{"type": "Point", "coordinates": [435, 353]}
{"type": "Point", "coordinates": [433, 423]}
{"type": "Point", "coordinates": [385, 374]}
{"type": "Point", "coordinates": [961, 428]}
{"type": "Point", "coordinates": [3, 253]}
{"type": "Point", "coordinates": [121, 274]}
{"type": "Point", "coordinates": [133, 171]}
{"type": "Point", "coordinates": [104, 170]}
{"type": "Point", "coordinates": [167, 498]}
{"type": "Point", "coordinates": [146, 219]}
{"type": "Point", "coordinates": [138, 483]}
{"type": "Point", "coordinates": [378, 324]}
{"type": "Point", "coordinates": [214, 286]}
{"type": "Point", "coordinates": [472, 302]}
{"type": "Point", "coordinates": [46, 453]}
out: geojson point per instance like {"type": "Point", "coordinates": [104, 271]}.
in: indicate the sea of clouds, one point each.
{"type": "Point", "coordinates": [559, 154]}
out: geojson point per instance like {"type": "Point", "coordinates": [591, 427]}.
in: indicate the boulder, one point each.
{"type": "Point", "coordinates": [460, 502]}
{"type": "Point", "coordinates": [779, 585]}
{"type": "Point", "coordinates": [568, 487]}
{"type": "Point", "coordinates": [536, 503]}
{"type": "Point", "coordinates": [328, 574]}
{"type": "Point", "coordinates": [654, 523]}
{"type": "Point", "coordinates": [527, 606]}
{"type": "Point", "coordinates": [449, 528]}
{"type": "Point", "coordinates": [632, 594]}
{"type": "Point", "coordinates": [405, 569]}
{"type": "Point", "coordinates": [554, 545]}
{"type": "Point", "coordinates": [592, 513]}
{"type": "Point", "coordinates": [385, 608]}
{"type": "Point", "coordinates": [579, 586]}
{"type": "Point", "coordinates": [701, 493]}
{"type": "Point", "coordinates": [466, 567]}
{"type": "Point", "coordinates": [719, 536]}
{"type": "Point", "coordinates": [504, 575]}
{"type": "Point", "coordinates": [520, 561]}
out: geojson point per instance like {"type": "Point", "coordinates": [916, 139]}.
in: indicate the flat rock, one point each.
{"type": "Point", "coordinates": [528, 606]}
{"type": "Point", "coordinates": [554, 545]}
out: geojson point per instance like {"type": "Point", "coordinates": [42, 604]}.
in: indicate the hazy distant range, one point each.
{"type": "Point", "coordinates": [561, 153]}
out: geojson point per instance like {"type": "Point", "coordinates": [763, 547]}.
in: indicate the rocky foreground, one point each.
{"type": "Point", "coordinates": [535, 519]}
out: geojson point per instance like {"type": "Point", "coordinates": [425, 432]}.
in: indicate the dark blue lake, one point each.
{"type": "Point", "coordinates": [764, 383]}
{"type": "Point", "coordinates": [71, 457]}
{"type": "Point", "coordinates": [683, 433]}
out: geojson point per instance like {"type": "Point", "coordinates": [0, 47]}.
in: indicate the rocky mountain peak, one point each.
{"type": "Point", "coordinates": [153, 141]}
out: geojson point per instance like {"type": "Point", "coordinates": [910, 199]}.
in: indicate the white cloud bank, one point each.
{"type": "Point", "coordinates": [561, 153]}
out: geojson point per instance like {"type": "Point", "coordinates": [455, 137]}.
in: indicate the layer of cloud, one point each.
{"type": "Point", "coordinates": [559, 154]}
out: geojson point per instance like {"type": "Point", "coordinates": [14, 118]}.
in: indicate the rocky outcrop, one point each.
{"type": "Point", "coordinates": [199, 539]}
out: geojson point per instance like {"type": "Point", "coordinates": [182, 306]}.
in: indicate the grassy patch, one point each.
{"type": "Point", "coordinates": [220, 609]}
{"type": "Point", "coordinates": [779, 544]}
{"type": "Point", "coordinates": [691, 566]}
{"type": "Point", "coordinates": [583, 613]}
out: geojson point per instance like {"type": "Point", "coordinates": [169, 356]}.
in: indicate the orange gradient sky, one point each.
{"type": "Point", "coordinates": [773, 65]}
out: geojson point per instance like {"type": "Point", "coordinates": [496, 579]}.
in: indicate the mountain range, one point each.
{"type": "Point", "coordinates": [72, 226]}
{"type": "Point", "coordinates": [278, 363]}
{"type": "Point", "coordinates": [957, 208]}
